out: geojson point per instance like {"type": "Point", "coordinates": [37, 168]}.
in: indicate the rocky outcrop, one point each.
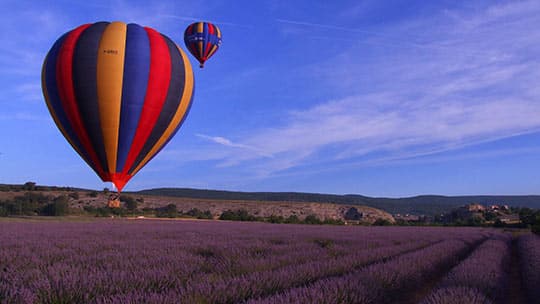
{"type": "Point", "coordinates": [350, 213]}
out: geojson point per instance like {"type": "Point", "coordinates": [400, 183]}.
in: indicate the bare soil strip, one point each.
{"type": "Point", "coordinates": [515, 294]}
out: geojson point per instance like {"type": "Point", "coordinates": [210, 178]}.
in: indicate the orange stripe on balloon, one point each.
{"type": "Point", "coordinates": [212, 51]}
{"type": "Point", "coordinates": [110, 73]}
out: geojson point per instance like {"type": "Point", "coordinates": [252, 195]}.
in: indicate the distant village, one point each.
{"type": "Point", "coordinates": [473, 214]}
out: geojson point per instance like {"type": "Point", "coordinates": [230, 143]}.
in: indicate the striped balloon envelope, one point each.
{"type": "Point", "coordinates": [202, 39]}
{"type": "Point", "coordinates": [118, 93]}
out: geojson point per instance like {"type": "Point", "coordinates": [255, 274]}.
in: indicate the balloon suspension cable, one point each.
{"type": "Point", "coordinates": [114, 188]}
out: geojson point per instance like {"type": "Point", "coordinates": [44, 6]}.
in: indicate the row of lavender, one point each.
{"type": "Point", "coordinates": [484, 276]}
{"type": "Point", "coordinates": [529, 249]}
{"type": "Point", "coordinates": [209, 262]}
{"type": "Point", "coordinates": [385, 282]}
{"type": "Point", "coordinates": [480, 278]}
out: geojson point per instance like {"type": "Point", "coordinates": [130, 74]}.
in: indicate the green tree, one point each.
{"type": "Point", "coordinates": [169, 211]}
{"type": "Point", "coordinates": [312, 220]}
{"type": "Point", "coordinates": [3, 211]}
{"type": "Point", "coordinates": [131, 203]}
{"type": "Point", "coordinates": [526, 216]}
{"type": "Point", "coordinates": [292, 219]}
{"type": "Point", "coordinates": [29, 186]}
{"type": "Point", "coordinates": [237, 215]}
{"type": "Point", "coordinates": [382, 222]}
{"type": "Point", "coordinates": [276, 219]}
{"type": "Point", "coordinates": [59, 207]}
{"type": "Point", "coordinates": [196, 213]}
{"type": "Point", "coordinates": [536, 228]}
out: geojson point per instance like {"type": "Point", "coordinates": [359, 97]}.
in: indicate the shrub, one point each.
{"type": "Point", "coordinates": [29, 186]}
{"type": "Point", "coordinates": [131, 203]}
{"type": "Point", "coordinates": [238, 215]}
{"type": "Point", "coordinates": [275, 219]}
{"type": "Point", "coordinates": [536, 229]}
{"type": "Point", "coordinates": [292, 219]}
{"type": "Point", "coordinates": [3, 211]}
{"type": "Point", "coordinates": [329, 221]}
{"type": "Point", "coordinates": [382, 222]}
{"type": "Point", "coordinates": [353, 215]}
{"type": "Point", "coordinates": [196, 213]}
{"type": "Point", "coordinates": [169, 211]}
{"type": "Point", "coordinates": [90, 209]}
{"type": "Point", "coordinates": [312, 220]}
{"type": "Point", "coordinates": [103, 212]}
{"type": "Point", "coordinates": [58, 207]}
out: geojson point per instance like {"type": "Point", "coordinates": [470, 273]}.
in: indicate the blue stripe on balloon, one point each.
{"type": "Point", "coordinates": [172, 101]}
{"type": "Point", "coordinates": [206, 32]}
{"type": "Point", "coordinates": [136, 71]}
{"type": "Point", "coordinates": [85, 85]}
{"type": "Point", "coordinates": [54, 97]}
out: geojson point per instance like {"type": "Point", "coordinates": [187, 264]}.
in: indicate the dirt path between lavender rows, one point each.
{"type": "Point", "coordinates": [514, 291]}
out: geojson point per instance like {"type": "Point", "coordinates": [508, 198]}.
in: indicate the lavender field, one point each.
{"type": "Point", "coordinates": [127, 261]}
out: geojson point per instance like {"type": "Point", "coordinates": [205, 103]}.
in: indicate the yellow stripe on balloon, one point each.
{"type": "Point", "coordinates": [218, 32]}
{"type": "Point", "coordinates": [212, 51]}
{"type": "Point", "coordinates": [110, 73]}
{"type": "Point", "coordinates": [178, 116]}
{"type": "Point", "coordinates": [53, 113]}
{"type": "Point", "coordinates": [200, 30]}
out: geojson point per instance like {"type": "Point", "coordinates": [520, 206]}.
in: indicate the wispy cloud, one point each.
{"type": "Point", "coordinates": [471, 80]}
{"type": "Point", "coordinates": [228, 143]}
{"type": "Point", "coordinates": [218, 22]}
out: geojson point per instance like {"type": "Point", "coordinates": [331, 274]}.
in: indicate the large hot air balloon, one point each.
{"type": "Point", "coordinates": [202, 40]}
{"type": "Point", "coordinates": [118, 93]}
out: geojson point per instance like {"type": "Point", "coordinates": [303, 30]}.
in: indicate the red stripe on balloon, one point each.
{"type": "Point", "coordinates": [156, 92]}
{"type": "Point", "coordinates": [64, 79]}
{"type": "Point", "coordinates": [210, 28]}
{"type": "Point", "coordinates": [207, 50]}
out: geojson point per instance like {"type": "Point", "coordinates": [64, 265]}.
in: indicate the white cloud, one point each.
{"type": "Point", "coordinates": [228, 143]}
{"type": "Point", "coordinates": [464, 80]}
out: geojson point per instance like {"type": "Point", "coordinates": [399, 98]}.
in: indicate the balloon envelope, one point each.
{"type": "Point", "coordinates": [202, 40]}
{"type": "Point", "coordinates": [118, 93]}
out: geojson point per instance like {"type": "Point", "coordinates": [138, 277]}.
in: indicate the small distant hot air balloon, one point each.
{"type": "Point", "coordinates": [202, 40]}
{"type": "Point", "coordinates": [118, 93]}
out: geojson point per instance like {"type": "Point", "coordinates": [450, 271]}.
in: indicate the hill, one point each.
{"type": "Point", "coordinates": [32, 199]}
{"type": "Point", "coordinates": [420, 205]}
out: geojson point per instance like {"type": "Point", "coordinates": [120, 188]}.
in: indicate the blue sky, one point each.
{"type": "Point", "coordinates": [381, 98]}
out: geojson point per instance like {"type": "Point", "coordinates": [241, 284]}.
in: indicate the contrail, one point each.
{"type": "Point", "coordinates": [391, 41]}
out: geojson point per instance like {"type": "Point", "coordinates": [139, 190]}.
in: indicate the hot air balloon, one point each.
{"type": "Point", "coordinates": [118, 93]}
{"type": "Point", "coordinates": [202, 40]}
